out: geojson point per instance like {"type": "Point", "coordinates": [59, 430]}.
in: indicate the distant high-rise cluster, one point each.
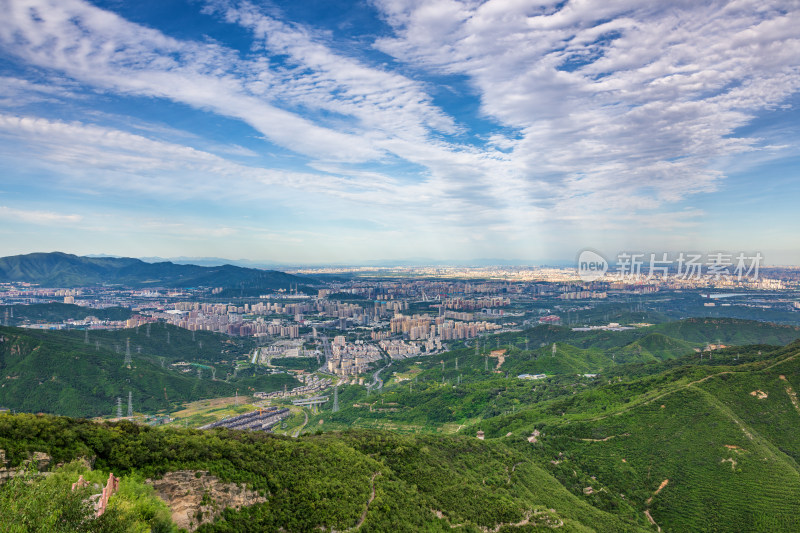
{"type": "Point", "coordinates": [427, 327]}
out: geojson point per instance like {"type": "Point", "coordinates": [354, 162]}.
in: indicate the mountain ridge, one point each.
{"type": "Point", "coordinates": [67, 270]}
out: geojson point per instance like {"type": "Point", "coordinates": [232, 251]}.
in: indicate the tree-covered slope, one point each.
{"type": "Point", "coordinates": [655, 347]}
{"type": "Point", "coordinates": [373, 481]}
{"type": "Point", "coordinates": [58, 312]}
{"type": "Point", "coordinates": [729, 331]}
{"type": "Point", "coordinates": [42, 372]}
{"type": "Point", "coordinates": [721, 442]}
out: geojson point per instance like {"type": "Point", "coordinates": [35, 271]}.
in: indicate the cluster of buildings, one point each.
{"type": "Point", "coordinates": [419, 327]}
{"type": "Point", "coordinates": [400, 349]}
{"type": "Point", "coordinates": [459, 315]}
{"type": "Point", "coordinates": [411, 289]}
{"type": "Point", "coordinates": [550, 319]}
{"type": "Point", "coordinates": [260, 420]}
{"type": "Point", "coordinates": [583, 295]}
{"type": "Point", "coordinates": [349, 359]}
{"type": "Point", "coordinates": [475, 303]}
{"type": "Point", "coordinates": [612, 326]}
{"type": "Point", "coordinates": [280, 348]}
{"type": "Point", "coordinates": [219, 318]}
{"type": "Point", "coordinates": [311, 384]}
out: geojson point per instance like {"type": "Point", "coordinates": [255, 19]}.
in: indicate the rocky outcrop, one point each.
{"type": "Point", "coordinates": [40, 460]}
{"type": "Point", "coordinates": [196, 497]}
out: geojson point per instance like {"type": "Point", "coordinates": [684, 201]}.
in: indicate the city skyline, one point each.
{"type": "Point", "coordinates": [350, 132]}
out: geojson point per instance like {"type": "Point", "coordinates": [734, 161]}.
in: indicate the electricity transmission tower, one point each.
{"type": "Point", "coordinates": [128, 360]}
{"type": "Point", "coordinates": [130, 404]}
{"type": "Point", "coordinates": [335, 399]}
{"type": "Point", "coordinates": [119, 407]}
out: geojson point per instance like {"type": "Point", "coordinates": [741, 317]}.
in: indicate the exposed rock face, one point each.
{"type": "Point", "coordinates": [41, 460]}
{"type": "Point", "coordinates": [196, 497]}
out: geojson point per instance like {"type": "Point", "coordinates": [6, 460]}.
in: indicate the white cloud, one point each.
{"type": "Point", "coordinates": [637, 118]}
{"type": "Point", "coordinates": [99, 48]}
{"type": "Point", "coordinates": [158, 167]}
{"type": "Point", "coordinates": [28, 216]}
{"type": "Point", "coordinates": [18, 92]}
{"type": "Point", "coordinates": [601, 106]}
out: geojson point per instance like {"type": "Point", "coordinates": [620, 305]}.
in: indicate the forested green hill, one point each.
{"type": "Point", "coordinates": [729, 331]}
{"type": "Point", "coordinates": [58, 312]}
{"type": "Point", "coordinates": [722, 440]}
{"type": "Point", "coordinates": [375, 480]}
{"type": "Point", "coordinates": [58, 373]}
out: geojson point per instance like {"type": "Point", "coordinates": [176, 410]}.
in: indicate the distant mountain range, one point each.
{"type": "Point", "coordinates": [58, 269]}
{"type": "Point", "coordinates": [213, 261]}
{"type": "Point", "coordinates": [377, 263]}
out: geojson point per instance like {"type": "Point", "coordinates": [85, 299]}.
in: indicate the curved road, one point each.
{"type": "Point", "coordinates": [377, 382]}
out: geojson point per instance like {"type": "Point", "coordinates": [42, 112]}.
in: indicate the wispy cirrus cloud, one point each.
{"type": "Point", "coordinates": [100, 48]}
{"type": "Point", "coordinates": [586, 108]}
{"type": "Point", "coordinates": [33, 216]}
{"type": "Point", "coordinates": [610, 101]}
{"type": "Point", "coordinates": [159, 167]}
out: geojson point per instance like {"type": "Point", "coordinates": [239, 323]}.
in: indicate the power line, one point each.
{"type": "Point", "coordinates": [128, 359]}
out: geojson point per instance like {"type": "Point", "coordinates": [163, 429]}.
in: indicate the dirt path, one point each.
{"type": "Point", "coordinates": [727, 411]}
{"type": "Point", "coordinates": [371, 497]}
{"type": "Point", "coordinates": [599, 440]}
{"type": "Point", "coordinates": [647, 514]}
{"type": "Point", "coordinates": [791, 357]}
{"type": "Point", "coordinates": [659, 396]}
{"type": "Point", "coordinates": [297, 432]}
{"type": "Point", "coordinates": [792, 394]}
{"type": "Point", "coordinates": [695, 382]}
{"type": "Point", "coordinates": [663, 484]}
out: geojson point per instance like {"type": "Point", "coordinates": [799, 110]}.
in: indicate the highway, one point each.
{"type": "Point", "coordinates": [377, 382]}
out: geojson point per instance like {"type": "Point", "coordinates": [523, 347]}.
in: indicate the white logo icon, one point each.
{"type": "Point", "coordinates": [591, 265]}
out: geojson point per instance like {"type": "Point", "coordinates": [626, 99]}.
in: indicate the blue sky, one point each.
{"type": "Point", "coordinates": [330, 131]}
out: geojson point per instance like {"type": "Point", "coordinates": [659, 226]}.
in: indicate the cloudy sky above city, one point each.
{"type": "Point", "coordinates": [327, 131]}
